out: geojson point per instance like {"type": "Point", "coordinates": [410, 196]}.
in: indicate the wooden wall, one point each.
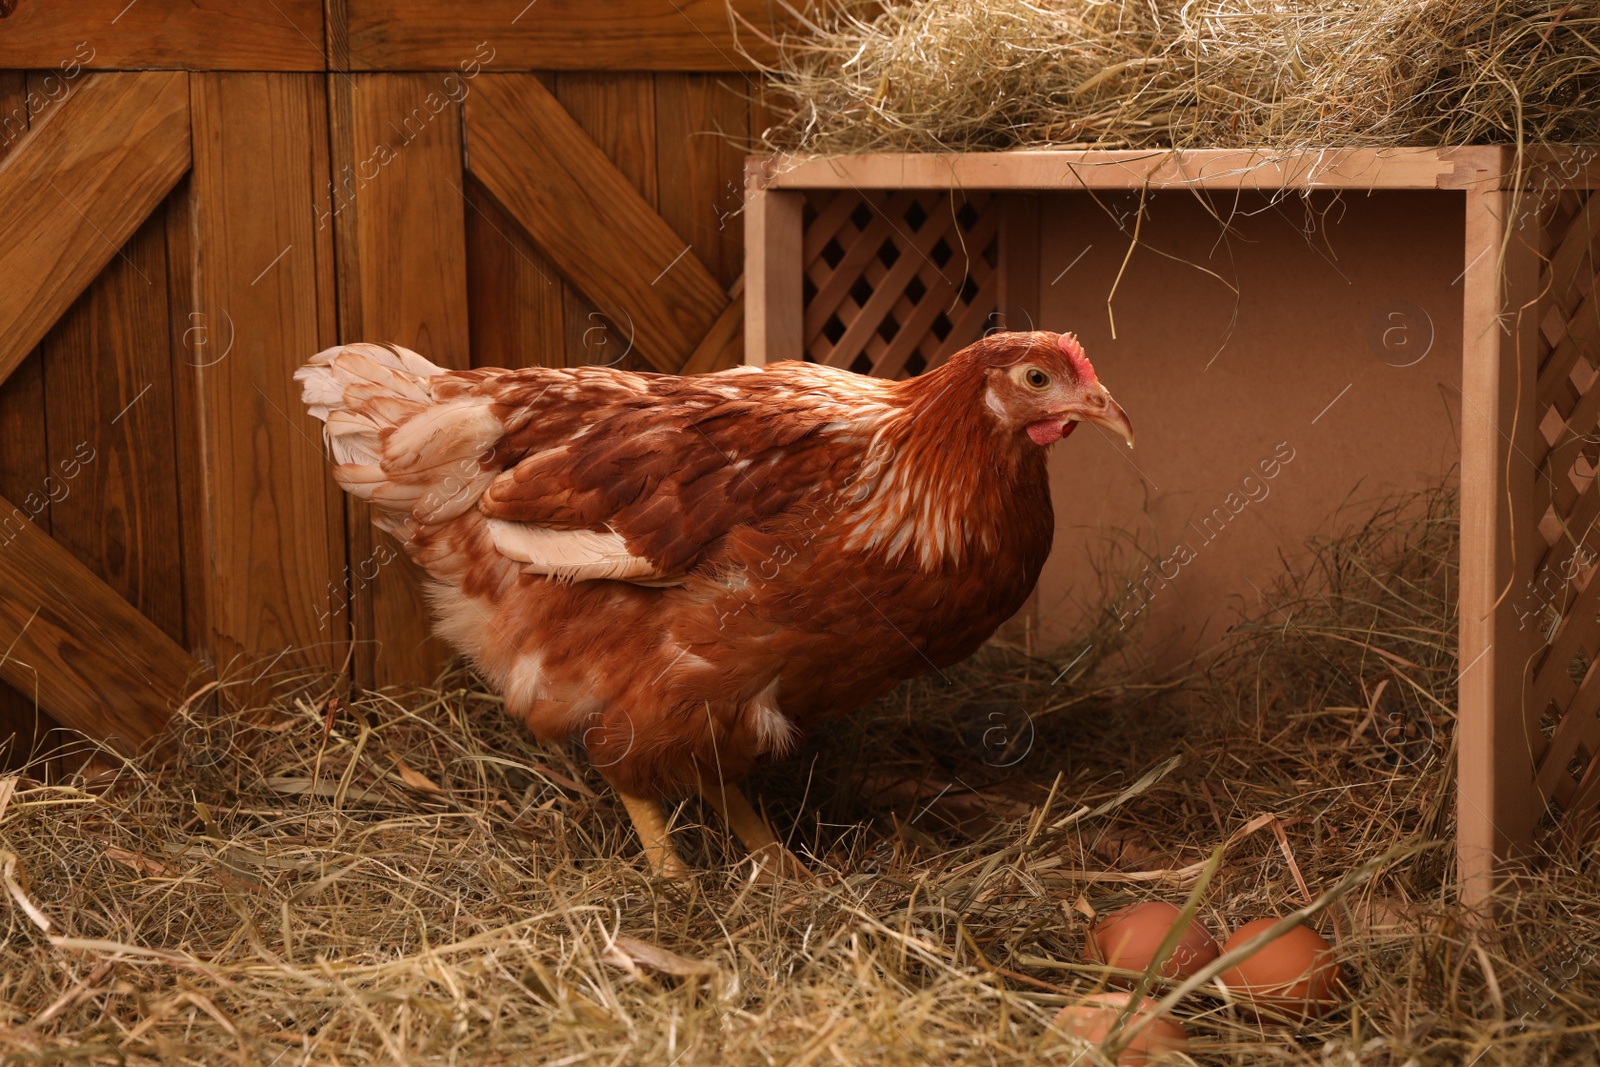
{"type": "Point", "coordinates": [501, 185]}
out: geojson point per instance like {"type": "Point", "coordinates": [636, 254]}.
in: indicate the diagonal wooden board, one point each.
{"type": "Point", "coordinates": [589, 220]}
{"type": "Point", "coordinates": [723, 345]}
{"type": "Point", "coordinates": [96, 664]}
{"type": "Point", "coordinates": [75, 189]}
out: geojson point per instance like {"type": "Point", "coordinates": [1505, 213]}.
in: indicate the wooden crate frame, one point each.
{"type": "Point", "coordinates": [1528, 732]}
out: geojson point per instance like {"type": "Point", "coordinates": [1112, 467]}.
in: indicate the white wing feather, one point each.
{"type": "Point", "coordinates": [578, 555]}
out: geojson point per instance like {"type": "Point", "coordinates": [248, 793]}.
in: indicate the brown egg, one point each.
{"type": "Point", "coordinates": [1091, 1019]}
{"type": "Point", "coordinates": [1129, 938]}
{"type": "Point", "coordinates": [1295, 975]}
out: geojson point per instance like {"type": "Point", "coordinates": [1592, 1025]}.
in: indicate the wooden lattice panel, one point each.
{"type": "Point", "coordinates": [897, 281]}
{"type": "Point", "coordinates": [1562, 601]}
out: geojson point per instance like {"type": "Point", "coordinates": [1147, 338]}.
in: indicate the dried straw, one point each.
{"type": "Point", "coordinates": [943, 75]}
{"type": "Point", "coordinates": [405, 877]}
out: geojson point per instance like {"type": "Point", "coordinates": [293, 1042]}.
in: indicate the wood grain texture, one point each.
{"type": "Point", "coordinates": [617, 111]}
{"type": "Point", "coordinates": [723, 345]}
{"type": "Point", "coordinates": [98, 665]}
{"type": "Point", "coordinates": [262, 278]}
{"type": "Point", "coordinates": [702, 133]}
{"type": "Point", "coordinates": [766, 112]}
{"type": "Point", "coordinates": [408, 220]}
{"type": "Point", "coordinates": [513, 293]}
{"type": "Point", "coordinates": [173, 34]}
{"type": "Point", "coordinates": [397, 201]}
{"type": "Point", "coordinates": [336, 34]}
{"type": "Point", "coordinates": [74, 190]}
{"type": "Point", "coordinates": [24, 458]}
{"type": "Point", "coordinates": [555, 34]}
{"type": "Point", "coordinates": [194, 341]}
{"type": "Point", "coordinates": [1575, 167]}
{"type": "Point", "coordinates": [774, 304]}
{"type": "Point", "coordinates": [589, 219]}
{"type": "Point", "coordinates": [108, 391]}
{"type": "Point", "coordinates": [1221, 168]}
{"type": "Point", "coordinates": [26, 479]}
{"type": "Point", "coordinates": [1019, 310]}
{"type": "Point", "coordinates": [1019, 261]}
{"type": "Point", "coordinates": [1497, 803]}
{"type": "Point", "coordinates": [589, 339]}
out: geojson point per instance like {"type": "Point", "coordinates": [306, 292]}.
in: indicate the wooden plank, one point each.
{"type": "Point", "coordinates": [108, 395]}
{"type": "Point", "coordinates": [617, 111]}
{"type": "Point", "coordinates": [27, 478]}
{"type": "Point", "coordinates": [1574, 167]}
{"type": "Point", "coordinates": [1019, 261]}
{"type": "Point", "coordinates": [513, 292]}
{"type": "Point", "coordinates": [1497, 804]}
{"type": "Point", "coordinates": [336, 35]}
{"type": "Point", "coordinates": [37, 93]}
{"type": "Point", "coordinates": [702, 128]}
{"type": "Point", "coordinates": [98, 665]}
{"type": "Point", "coordinates": [766, 112]}
{"type": "Point", "coordinates": [24, 459]}
{"type": "Point", "coordinates": [589, 339]}
{"type": "Point", "coordinates": [196, 338]}
{"type": "Point", "coordinates": [1224, 168]}
{"type": "Point", "coordinates": [262, 276]}
{"type": "Point", "coordinates": [774, 296]}
{"type": "Point", "coordinates": [1020, 283]}
{"type": "Point", "coordinates": [402, 280]}
{"type": "Point", "coordinates": [174, 34]}
{"type": "Point", "coordinates": [589, 219]}
{"type": "Point", "coordinates": [74, 190]}
{"type": "Point", "coordinates": [723, 345]}
{"type": "Point", "coordinates": [555, 34]}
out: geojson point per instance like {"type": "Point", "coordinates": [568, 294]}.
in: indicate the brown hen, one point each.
{"type": "Point", "coordinates": [693, 573]}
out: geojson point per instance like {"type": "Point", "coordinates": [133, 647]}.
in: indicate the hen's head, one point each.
{"type": "Point", "coordinates": [1041, 385]}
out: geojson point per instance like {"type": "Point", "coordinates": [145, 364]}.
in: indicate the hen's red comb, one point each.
{"type": "Point", "coordinates": [1075, 358]}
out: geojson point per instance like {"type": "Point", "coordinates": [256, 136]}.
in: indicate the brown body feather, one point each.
{"type": "Point", "coordinates": [796, 540]}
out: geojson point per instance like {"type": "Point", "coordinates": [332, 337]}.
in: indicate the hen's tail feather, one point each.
{"type": "Point", "coordinates": [395, 442]}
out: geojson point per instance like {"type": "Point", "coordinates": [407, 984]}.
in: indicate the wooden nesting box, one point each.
{"type": "Point", "coordinates": [1285, 330]}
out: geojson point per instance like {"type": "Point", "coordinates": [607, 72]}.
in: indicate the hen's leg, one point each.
{"type": "Point", "coordinates": [752, 830]}
{"type": "Point", "coordinates": [651, 823]}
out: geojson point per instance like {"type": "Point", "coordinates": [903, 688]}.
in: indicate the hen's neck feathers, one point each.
{"type": "Point", "coordinates": [941, 481]}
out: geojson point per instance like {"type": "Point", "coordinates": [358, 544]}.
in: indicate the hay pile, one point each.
{"type": "Point", "coordinates": [405, 877]}
{"type": "Point", "coordinates": [938, 75]}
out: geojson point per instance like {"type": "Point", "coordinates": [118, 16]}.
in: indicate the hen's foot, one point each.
{"type": "Point", "coordinates": [766, 848]}
{"type": "Point", "coordinates": [651, 824]}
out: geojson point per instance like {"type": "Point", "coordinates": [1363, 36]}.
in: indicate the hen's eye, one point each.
{"type": "Point", "coordinates": [1036, 378]}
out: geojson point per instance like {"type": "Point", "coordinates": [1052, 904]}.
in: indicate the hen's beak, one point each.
{"type": "Point", "coordinates": [1098, 407]}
